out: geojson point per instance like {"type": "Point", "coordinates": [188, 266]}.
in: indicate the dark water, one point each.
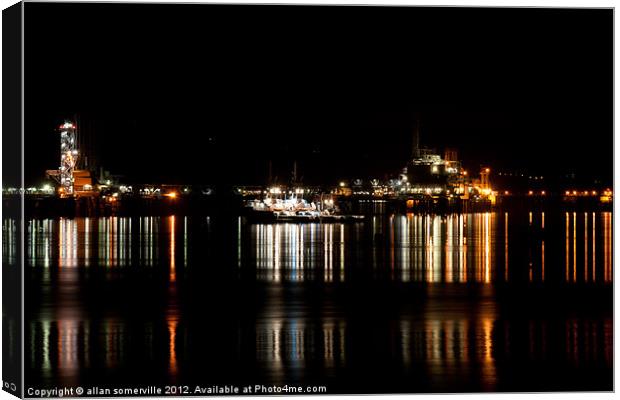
{"type": "Point", "coordinates": [404, 303]}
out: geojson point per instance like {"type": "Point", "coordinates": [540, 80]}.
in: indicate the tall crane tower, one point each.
{"type": "Point", "coordinates": [68, 159]}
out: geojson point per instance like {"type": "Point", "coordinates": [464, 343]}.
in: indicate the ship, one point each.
{"type": "Point", "coordinates": [295, 209]}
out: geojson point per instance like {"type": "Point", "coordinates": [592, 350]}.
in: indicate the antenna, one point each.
{"type": "Point", "coordinates": [294, 172]}
{"type": "Point", "coordinates": [415, 148]}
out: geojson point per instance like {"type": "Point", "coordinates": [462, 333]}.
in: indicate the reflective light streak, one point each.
{"type": "Point", "coordinates": [585, 247]}
{"type": "Point", "coordinates": [567, 247]}
{"type": "Point", "coordinates": [542, 260]}
{"type": "Point", "coordinates": [574, 247]}
{"type": "Point", "coordinates": [173, 267]}
{"type": "Point", "coordinates": [172, 347]}
{"type": "Point", "coordinates": [299, 251]}
{"type": "Point", "coordinates": [593, 247]}
{"type": "Point", "coordinates": [607, 244]}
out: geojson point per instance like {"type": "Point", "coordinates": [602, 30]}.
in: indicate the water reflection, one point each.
{"type": "Point", "coordinates": [386, 297]}
{"type": "Point", "coordinates": [607, 232]}
{"type": "Point", "coordinates": [582, 341]}
{"type": "Point", "coordinates": [458, 350]}
{"type": "Point", "coordinates": [420, 248]}
{"type": "Point", "coordinates": [577, 231]}
{"type": "Point", "coordinates": [296, 252]}
{"type": "Point", "coordinates": [449, 344]}
{"type": "Point", "coordinates": [172, 350]}
{"type": "Point", "coordinates": [108, 242]}
{"type": "Point", "coordinates": [9, 241]}
{"type": "Point", "coordinates": [172, 252]}
{"type": "Point", "coordinates": [289, 344]}
{"type": "Point", "coordinates": [408, 248]}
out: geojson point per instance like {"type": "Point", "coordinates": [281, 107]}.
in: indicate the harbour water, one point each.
{"type": "Point", "coordinates": [497, 301]}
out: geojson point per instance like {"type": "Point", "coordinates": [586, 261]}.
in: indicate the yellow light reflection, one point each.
{"type": "Point", "coordinates": [574, 247]}
{"type": "Point", "coordinates": [585, 247]}
{"type": "Point", "coordinates": [487, 247]}
{"type": "Point", "coordinates": [172, 347]}
{"type": "Point", "coordinates": [173, 268]}
{"type": "Point", "coordinates": [341, 252]}
{"type": "Point", "coordinates": [446, 344]}
{"type": "Point", "coordinates": [607, 242]}
{"type": "Point", "coordinates": [567, 247]}
{"type": "Point", "coordinates": [448, 251]}
{"type": "Point", "coordinates": [593, 247]}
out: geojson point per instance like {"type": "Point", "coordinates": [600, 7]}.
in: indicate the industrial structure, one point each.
{"type": "Point", "coordinates": [429, 174]}
{"type": "Point", "coordinates": [427, 178]}
{"type": "Point", "coordinates": [72, 181]}
{"type": "Point", "coordinates": [428, 181]}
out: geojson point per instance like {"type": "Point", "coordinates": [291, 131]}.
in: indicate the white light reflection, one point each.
{"type": "Point", "coordinates": [296, 252]}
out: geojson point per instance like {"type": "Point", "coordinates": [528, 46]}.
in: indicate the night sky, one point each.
{"type": "Point", "coordinates": [210, 93]}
